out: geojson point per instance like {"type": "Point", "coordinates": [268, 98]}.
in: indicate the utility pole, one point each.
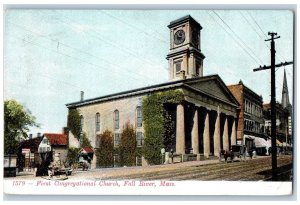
{"type": "Point", "coordinates": [273, 101]}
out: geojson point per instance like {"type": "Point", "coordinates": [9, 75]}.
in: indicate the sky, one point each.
{"type": "Point", "coordinates": [51, 55]}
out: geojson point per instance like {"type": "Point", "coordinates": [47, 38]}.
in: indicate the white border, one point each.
{"type": "Point", "coordinates": [162, 4]}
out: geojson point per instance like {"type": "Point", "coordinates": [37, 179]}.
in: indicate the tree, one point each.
{"type": "Point", "coordinates": [127, 148]}
{"type": "Point", "coordinates": [73, 155]}
{"type": "Point", "coordinates": [105, 152]}
{"type": "Point", "coordinates": [17, 121]}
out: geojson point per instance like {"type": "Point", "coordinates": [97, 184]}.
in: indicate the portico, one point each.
{"type": "Point", "coordinates": [206, 132]}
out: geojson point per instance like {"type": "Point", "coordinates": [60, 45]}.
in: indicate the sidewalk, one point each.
{"type": "Point", "coordinates": [119, 171]}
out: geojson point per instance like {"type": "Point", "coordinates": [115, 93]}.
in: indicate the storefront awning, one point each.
{"type": "Point", "coordinates": [249, 137]}
{"type": "Point", "coordinates": [261, 142]}
{"type": "Point", "coordinates": [284, 144]}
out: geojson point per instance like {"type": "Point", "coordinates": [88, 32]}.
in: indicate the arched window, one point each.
{"type": "Point", "coordinates": [97, 122]}
{"type": "Point", "coordinates": [116, 119]}
{"type": "Point", "coordinates": [139, 118]}
{"type": "Point", "coordinates": [81, 123]}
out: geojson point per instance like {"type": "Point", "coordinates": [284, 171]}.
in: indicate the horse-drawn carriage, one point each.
{"type": "Point", "coordinates": [237, 152]}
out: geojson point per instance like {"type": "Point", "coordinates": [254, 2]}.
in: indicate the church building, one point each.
{"type": "Point", "coordinates": [205, 120]}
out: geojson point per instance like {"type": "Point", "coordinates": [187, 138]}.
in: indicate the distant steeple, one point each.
{"type": "Point", "coordinates": [285, 93]}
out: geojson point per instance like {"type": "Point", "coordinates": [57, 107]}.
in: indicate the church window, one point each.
{"type": "Point", "coordinates": [97, 122]}
{"type": "Point", "coordinates": [139, 118]}
{"type": "Point", "coordinates": [116, 119]}
{"type": "Point", "coordinates": [178, 66]}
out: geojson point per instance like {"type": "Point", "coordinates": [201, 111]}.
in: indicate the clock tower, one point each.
{"type": "Point", "coordinates": [185, 57]}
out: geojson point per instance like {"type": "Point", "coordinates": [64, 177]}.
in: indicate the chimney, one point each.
{"type": "Point", "coordinates": [65, 131]}
{"type": "Point", "coordinates": [81, 95]}
{"type": "Point", "coordinates": [30, 136]}
{"type": "Point", "coordinates": [38, 134]}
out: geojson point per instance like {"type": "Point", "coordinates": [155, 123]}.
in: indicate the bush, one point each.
{"type": "Point", "coordinates": [106, 149]}
{"type": "Point", "coordinates": [127, 147]}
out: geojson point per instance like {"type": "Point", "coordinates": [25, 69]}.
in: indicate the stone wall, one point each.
{"type": "Point", "coordinates": [127, 112]}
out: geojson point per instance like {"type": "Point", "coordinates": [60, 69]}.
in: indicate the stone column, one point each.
{"type": "Point", "coordinates": [180, 130]}
{"type": "Point", "coordinates": [233, 133]}
{"type": "Point", "coordinates": [217, 145]}
{"type": "Point", "coordinates": [195, 134]}
{"type": "Point", "coordinates": [206, 141]}
{"type": "Point", "coordinates": [225, 135]}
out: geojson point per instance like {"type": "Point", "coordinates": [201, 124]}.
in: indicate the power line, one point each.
{"type": "Point", "coordinates": [126, 50]}
{"type": "Point", "coordinates": [84, 52]}
{"type": "Point", "coordinates": [244, 44]}
{"type": "Point", "coordinates": [254, 29]}
{"type": "Point", "coordinates": [72, 57]}
{"type": "Point", "coordinates": [134, 27]}
{"type": "Point", "coordinates": [266, 36]}
{"type": "Point", "coordinates": [237, 42]}
{"type": "Point", "coordinates": [233, 38]}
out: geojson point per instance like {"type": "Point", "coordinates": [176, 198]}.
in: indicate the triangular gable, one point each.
{"type": "Point", "coordinates": [215, 87]}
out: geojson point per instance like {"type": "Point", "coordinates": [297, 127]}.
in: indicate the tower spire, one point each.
{"type": "Point", "coordinates": [285, 93]}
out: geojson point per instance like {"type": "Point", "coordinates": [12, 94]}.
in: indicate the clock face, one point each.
{"type": "Point", "coordinates": [179, 37]}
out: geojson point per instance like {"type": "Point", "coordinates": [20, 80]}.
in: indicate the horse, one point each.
{"type": "Point", "coordinates": [226, 155]}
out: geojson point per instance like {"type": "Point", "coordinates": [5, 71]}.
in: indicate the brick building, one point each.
{"type": "Point", "coordinates": [250, 115]}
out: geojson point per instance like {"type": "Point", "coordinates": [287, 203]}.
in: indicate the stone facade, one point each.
{"type": "Point", "coordinates": [127, 112]}
{"type": "Point", "coordinates": [205, 121]}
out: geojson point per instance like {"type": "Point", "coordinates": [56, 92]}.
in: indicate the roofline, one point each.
{"type": "Point", "coordinates": [209, 95]}
{"type": "Point", "coordinates": [49, 133]}
{"type": "Point", "coordinates": [227, 90]}
{"type": "Point", "coordinates": [139, 91]}
{"type": "Point", "coordinates": [182, 20]}
{"type": "Point", "coordinates": [242, 84]}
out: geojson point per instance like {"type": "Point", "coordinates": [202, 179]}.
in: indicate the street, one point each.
{"type": "Point", "coordinates": [209, 170]}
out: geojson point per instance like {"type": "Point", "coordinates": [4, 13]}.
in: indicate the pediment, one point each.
{"type": "Point", "coordinates": [214, 87]}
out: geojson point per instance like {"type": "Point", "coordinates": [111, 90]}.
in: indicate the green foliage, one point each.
{"type": "Point", "coordinates": [106, 149]}
{"type": "Point", "coordinates": [127, 147]}
{"type": "Point", "coordinates": [74, 126]}
{"type": "Point", "coordinates": [85, 141]}
{"type": "Point", "coordinates": [154, 117]}
{"type": "Point", "coordinates": [17, 121]}
{"type": "Point", "coordinates": [72, 156]}
{"type": "Point", "coordinates": [74, 122]}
